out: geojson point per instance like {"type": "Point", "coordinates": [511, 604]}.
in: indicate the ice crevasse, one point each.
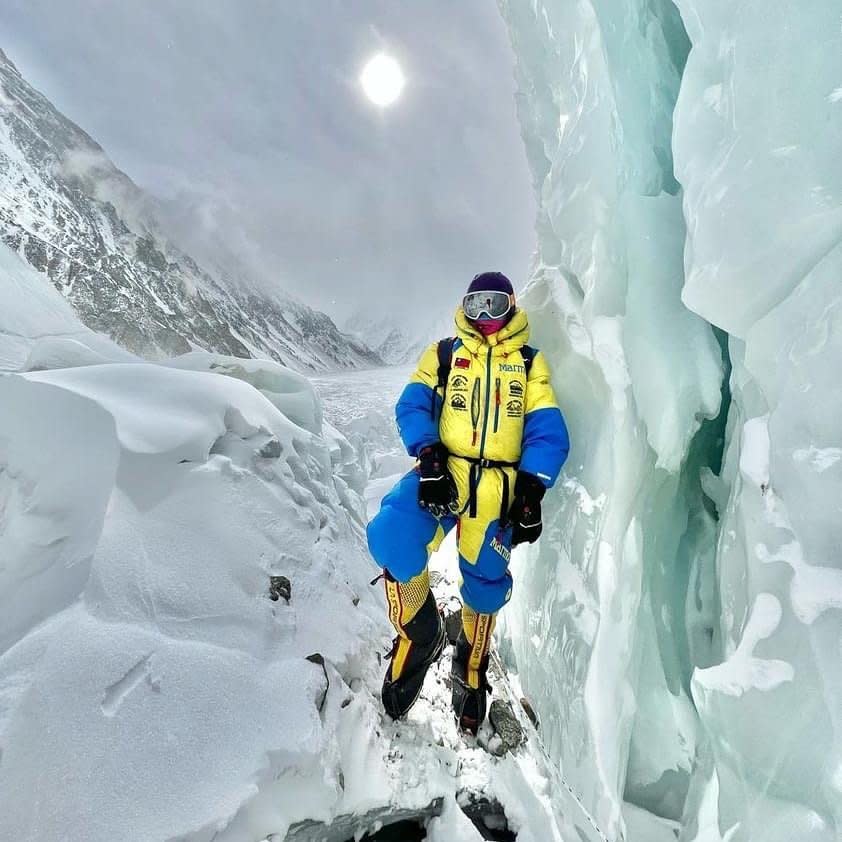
{"type": "Point", "coordinates": [680, 625]}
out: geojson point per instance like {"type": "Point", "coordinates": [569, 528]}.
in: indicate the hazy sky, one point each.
{"type": "Point", "coordinates": [250, 117]}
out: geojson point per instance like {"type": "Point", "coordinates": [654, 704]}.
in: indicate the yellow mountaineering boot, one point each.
{"type": "Point", "coordinates": [420, 641]}
{"type": "Point", "coordinates": [470, 665]}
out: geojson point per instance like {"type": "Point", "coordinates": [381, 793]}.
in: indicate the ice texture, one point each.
{"type": "Point", "coordinates": [757, 138]}
{"type": "Point", "coordinates": [679, 625]}
{"type": "Point", "coordinates": [758, 131]}
{"type": "Point", "coordinates": [598, 615]}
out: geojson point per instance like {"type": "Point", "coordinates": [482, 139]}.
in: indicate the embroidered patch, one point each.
{"type": "Point", "coordinates": [516, 389]}
{"type": "Point", "coordinates": [459, 402]}
{"type": "Point", "coordinates": [459, 383]}
{"type": "Point", "coordinates": [514, 408]}
{"type": "Point", "coordinates": [461, 362]}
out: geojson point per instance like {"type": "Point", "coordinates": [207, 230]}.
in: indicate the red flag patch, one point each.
{"type": "Point", "coordinates": [461, 362]}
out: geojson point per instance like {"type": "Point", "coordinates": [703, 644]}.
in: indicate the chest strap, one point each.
{"type": "Point", "coordinates": [477, 466]}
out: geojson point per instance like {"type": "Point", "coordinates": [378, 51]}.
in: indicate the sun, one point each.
{"type": "Point", "coordinates": [382, 80]}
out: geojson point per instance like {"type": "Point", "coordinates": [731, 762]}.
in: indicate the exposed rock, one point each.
{"type": "Point", "coordinates": [488, 818]}
{"type": "Point", "coordinates": [280, 588]}
{"type": "Point", "coordinates": [504, 722]}
{"type": "Point", "coordinates": [530, 712]}
{"type": "Point", "coordinates": [271, 450]}
{"type": "Point", "coordinates": [404, 825]}
{"type": "Point", "coordinates": [319, 659]}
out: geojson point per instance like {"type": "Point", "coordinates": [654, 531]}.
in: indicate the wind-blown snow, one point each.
{"type": "Point", "coordinates": [150, 688]}
{"type": "Point", "coordinates": [152, 504]}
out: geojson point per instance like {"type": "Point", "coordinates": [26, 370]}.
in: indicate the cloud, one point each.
{"type": "Point", "coordinates": [99, 178]}
{"type": "Point", "coordinates": [248, 121]}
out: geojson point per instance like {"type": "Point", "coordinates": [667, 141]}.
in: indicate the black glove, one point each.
{"type": "Point", "coordinates": [525, 514]}
{"type": "Point", "coordinates": [437, 489]}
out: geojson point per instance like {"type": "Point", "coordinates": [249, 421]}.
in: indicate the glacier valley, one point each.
{"type": "Point", "coordinates": [189, 641]}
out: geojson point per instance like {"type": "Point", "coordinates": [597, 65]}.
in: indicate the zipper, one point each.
{"type": "Point", "coordinates": [476, 470]}
{"type": "Point", "coordinates": [475, 409]}
{"type": "Point", "coordinates": [487, 403]}
{"type": "Point", "coordinates": [496, 403]}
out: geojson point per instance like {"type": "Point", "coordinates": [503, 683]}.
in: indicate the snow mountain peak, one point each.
{"type": "Point", "coordinates": [68, 211]}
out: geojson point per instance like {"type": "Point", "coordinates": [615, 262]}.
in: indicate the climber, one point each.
{"type": "Point", "coordinates": [480, 416]}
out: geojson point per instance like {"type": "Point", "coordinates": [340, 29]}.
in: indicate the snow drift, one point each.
{"type": "Point", "coordinates": [153, 505]}
{"type": "Point", "coordinates": [149, 687]}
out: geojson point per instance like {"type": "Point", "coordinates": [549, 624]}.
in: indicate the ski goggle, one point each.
{"type": "Point", "coordinates": [487, 304]}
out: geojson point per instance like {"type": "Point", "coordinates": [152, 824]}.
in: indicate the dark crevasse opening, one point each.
{"type": "Point", "coordinates": [697, 642]}
{"type": "Point", "coordinates": [405, 825]}
{"type": "Point", "coordinates": [403, 831]}
{"type": "Point", "coordinates": [680, 599]}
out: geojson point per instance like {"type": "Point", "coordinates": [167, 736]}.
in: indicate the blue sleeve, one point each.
{"type": "Point", "coordinates": [545, 444]}
{"type": "Point", "coordinates": [416, 423]}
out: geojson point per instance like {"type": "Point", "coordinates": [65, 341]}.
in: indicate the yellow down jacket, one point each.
{"type": "Point", "coordinates": [490, 410]}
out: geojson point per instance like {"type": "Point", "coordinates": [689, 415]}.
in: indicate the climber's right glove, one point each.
{"type": "Point", "coordinates": [525, 513]}
{"type": "Point", "coordinates": [437, 489]}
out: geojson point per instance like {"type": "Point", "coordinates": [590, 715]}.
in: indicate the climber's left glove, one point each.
{"type": "Point", "coordinates": [525, 513]}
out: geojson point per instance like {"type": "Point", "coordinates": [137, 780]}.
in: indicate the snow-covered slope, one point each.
{"type": "Point", "coordinates": [36, 323]}
{"type": "Point", "coordinates": [150, 686]}
{"type": "Point", "coordinates": [679, 626]}
{"type": "Point", "coordinates": [69, 212]}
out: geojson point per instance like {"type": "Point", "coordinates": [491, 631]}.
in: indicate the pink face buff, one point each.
{"type": "Point", "coordinates": [488, 326]}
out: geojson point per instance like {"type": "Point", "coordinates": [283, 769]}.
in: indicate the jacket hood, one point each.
{"type": "Point", "coordinates": [511, 337]}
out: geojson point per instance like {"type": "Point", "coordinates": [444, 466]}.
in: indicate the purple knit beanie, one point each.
{"type": "Point", "coordinates": [491, 281]}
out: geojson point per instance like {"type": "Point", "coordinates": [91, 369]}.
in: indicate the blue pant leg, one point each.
{"type": "Point", "coordinates": [399, 534]}
{"type": "Point", "coordinates": [487, 584]}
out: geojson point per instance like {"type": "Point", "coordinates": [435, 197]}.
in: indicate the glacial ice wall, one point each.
{"type": "Point", "coordinates": [758, 138]}
{"type": "Point", "coordinates": [598, 616]}
{"type": "Point", "coordinates": [678, 627]}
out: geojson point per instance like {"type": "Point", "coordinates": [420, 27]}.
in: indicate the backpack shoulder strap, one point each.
{"type": "Point", "coordinates": [445, 353]}
{"type": "Point", "coordinates": [528, 353]}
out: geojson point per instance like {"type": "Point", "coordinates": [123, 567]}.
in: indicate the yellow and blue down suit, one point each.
{"type": "Point", "coordinates": [490, 411]}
